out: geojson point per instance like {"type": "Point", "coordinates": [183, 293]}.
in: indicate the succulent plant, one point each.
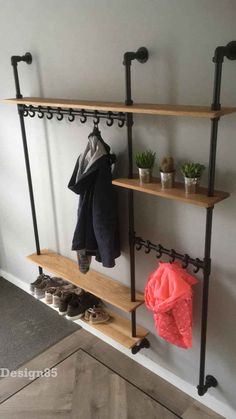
{"type": "Point", "coordinates": [192, 170]}
{"type": "Point", "coordinates": [167, 165]}
{"type": "Point", "coordinates": [145, 160]}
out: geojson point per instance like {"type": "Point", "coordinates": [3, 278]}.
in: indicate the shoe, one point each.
{"type": "Point", "coordinates": [96, 315]}
{"type": "Point", "coordinates": [37, 282]}
{"type": "Point", "coordinates": [39, 290]}
{"type": "Point", "coordinates": [49, 294]}
{"type": "Point", "coordinates": [56, 296]}
{"type": "Point", "coordinates": [79, 304]}
{"type": "Point", "coordinates": [66, 297]}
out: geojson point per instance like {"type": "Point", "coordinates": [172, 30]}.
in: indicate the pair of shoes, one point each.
{"type": "Point", "coordinates": [52, 295]}
{"type": "Point", "coordinates": [78, 304]}
{"type": "Point", "coordinates": [96, 315]}
{"type": "Point", "coordinates": [37, 282]}
{"type": "Point", "coordinates": [45, 283]}
{"type": "Point", "coordinates": [64, 299]}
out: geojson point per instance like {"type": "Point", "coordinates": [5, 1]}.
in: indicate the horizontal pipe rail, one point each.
{"type": "Point", "coordinates": [31, 111]}
{"type": "Point", "coordinates": [160, 250]}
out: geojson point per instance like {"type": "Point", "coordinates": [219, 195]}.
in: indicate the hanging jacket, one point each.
{"type": "Point", "coordinates": [96, 231]}
{"type": "Point", "coordinates": [168, 294]}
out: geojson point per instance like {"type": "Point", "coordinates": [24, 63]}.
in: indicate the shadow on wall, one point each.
{"type": "Point", "coordinates": [222, 331]}
{"type": "Point", "coordinates": [49, 159]}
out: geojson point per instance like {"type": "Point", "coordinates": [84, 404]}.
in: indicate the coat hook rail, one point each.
{"type": "Point", "coordinates": [160, 250]}
{"type": "Point", "coordinates": [31, 111]}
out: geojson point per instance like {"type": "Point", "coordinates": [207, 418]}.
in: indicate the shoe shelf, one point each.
{"type": "Point", "coordinates": [102, 286]}
{"type": "Point", "coordinates": [118, 329]}
{"type": "Point", "coordinates": [138, 108]}
{"type": "Point", "coordinates": [177, 193]}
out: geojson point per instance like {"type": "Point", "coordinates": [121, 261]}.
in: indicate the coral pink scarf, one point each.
{"type": "Point", "coordinates": [168, 294]}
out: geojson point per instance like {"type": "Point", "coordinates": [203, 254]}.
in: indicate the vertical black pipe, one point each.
{"type": "Point", "coordinates": [14, 62]}
{"type": "Point", "coordinates": [129, 123]}
{"type": "Point", "coordinates": [218, 59]}
{"type": "Point", "coordinates": [206, 277]}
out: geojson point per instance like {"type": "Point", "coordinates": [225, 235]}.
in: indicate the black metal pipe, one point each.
{"type": "Point", "coordinates": [14, 61]}
{"type": "Point", "coordinates": [217, 86]}
{"type": "Point", "coordinates": [80, 112]}
{"type": "Point", "coordinates": [207, 271]}
{"type": "Point", "coordinates": [218, 59]}
{"type": "Point", "coordinates": [159, 249]}
{"type": "Point", "coordinates": [128, 100]}
{"type": "Point", "coordinates": [129, 124]}
{"type": "Point", "coordinates": [212, 157]}
{"type": "Point", "coordinates": [133, 323]}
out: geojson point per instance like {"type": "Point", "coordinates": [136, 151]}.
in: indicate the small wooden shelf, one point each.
{"type": "Point", "coordinates": [107, 289]}
{"type": "Point", "coordinates": [177, 193]}
{"type": "Point", "coordinates": [118, 329]}
{"type": "Point", "coordinates": [139, 108]}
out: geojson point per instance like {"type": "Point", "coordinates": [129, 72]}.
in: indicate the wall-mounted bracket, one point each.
{"type": "Point", "coordinates": [141, 55]}
{"type": "Point", "coordinates": [210, 382]}
{"type": "Point", "coordinates": [27, 58]}
{"type": "Point", "coordinates": [143, 344]}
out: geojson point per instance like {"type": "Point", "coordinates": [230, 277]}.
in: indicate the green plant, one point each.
{"type": "Point", "coordinates": [145, 160]}
{"type": "Point", "coordinates": [167, 165]}
{"type": "Point", "coordinates": [192, 170]}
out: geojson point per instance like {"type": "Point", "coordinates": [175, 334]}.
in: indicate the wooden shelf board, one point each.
{"type": "Point", "coordinates": [140, 108]}
{"type": "Point", "coordinates": [177, 193]}
{"type": "Point", "coordinates": [119, 329]}
{"type": "Point", "coordinates": [102, 286]}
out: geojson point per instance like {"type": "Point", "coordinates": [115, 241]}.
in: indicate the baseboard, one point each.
{"type": "Point", "coordinates": [208, 400]}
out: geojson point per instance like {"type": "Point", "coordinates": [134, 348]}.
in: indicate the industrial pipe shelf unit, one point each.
{"type": "Point", "coordinates": [123, 113]}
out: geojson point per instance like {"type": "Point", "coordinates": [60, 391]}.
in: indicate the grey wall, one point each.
{"type": "Point", "coordinates": [77, 48]}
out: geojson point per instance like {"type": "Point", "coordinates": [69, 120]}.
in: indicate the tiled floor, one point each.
{"type": "Point", "coordinates": [94, 381]}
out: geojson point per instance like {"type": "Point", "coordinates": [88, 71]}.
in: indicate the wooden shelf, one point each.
{"type": "Point", "coordinates": [139, 108]}
{"type": "Point", "coordinates": [118, 329]}
{"type": "Point", "coordinates": [177, 193]}
{"type": "Point", "coordinates": [107, 289]}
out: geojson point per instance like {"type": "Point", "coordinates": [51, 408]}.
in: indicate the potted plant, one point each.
{"type": "Point", "coordinates": [192, 173]}
{"type": "Point", "coordinates": [145, 162]}
{"type": "Point", "coordinates": [167, 172]}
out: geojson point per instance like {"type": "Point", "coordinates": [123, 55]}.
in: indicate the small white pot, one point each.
{"type": "Point", "coordinates": [145, 175]}
{"type": "Point", "coordinates": [191, 184]}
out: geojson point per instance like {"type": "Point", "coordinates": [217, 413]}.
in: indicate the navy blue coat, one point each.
{"type": "Point", "coordinates": [97, 223]}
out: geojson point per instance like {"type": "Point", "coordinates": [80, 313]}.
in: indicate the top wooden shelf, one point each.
{"type": "Point", "coordinates": [139, 108]}
{"type": "Point", "coordinates": [102, 286]}
{"type": "Point", "coordinates": [176, 193]}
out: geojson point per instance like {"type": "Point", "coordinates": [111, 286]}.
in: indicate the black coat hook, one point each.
{"type": "Point", "coordinates": [185, 261]}
{"type": "Point", "coordinates": [96, 118]}
{"type": "Point", "coordinates": [121, 122]}
{"type": "Point", "coordinates": [172, 255]}
{"type": "Point", "coordinates": [40, 113]}
{"type": "Point", "coordinates": [60, 115]}
{"type": "Point", "coordinates": [50, 114]}
{"type": "Point", "coordinates": [138, 243]}
{"type": "Point", "coordinates": [83, 118]}
{"type": "Point", "coordinates": [198, 266]}
{"type": "Point", "coordinates": [71, 117]}
{"type": "Point", "coordinates": [148, 249]}
{"type": "Point", "coordinates": [159, 252]}
{"type": "Point", "coordinates": [31, 112]}
{"type": "Point", "coordinates": [25, 113]}
{"type": "Point", "coordinates": [109, 121]}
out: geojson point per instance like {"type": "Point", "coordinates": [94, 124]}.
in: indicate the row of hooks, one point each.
{"type": "Point", "coordinates": [160, 250]}
{"type": "Point", "coordinates": [72, 113]}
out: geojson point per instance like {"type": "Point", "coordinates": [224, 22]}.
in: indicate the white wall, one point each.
{"type": "Point", "coordinates": [77, 49]}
